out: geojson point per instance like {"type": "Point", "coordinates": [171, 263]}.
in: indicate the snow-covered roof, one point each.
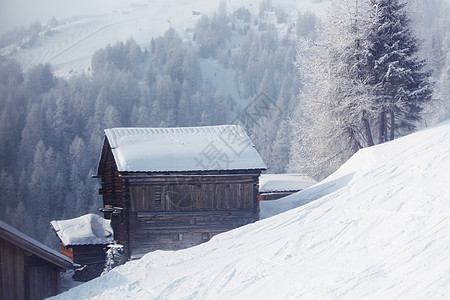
{"type": "Point", "coordinates": [208, 148]}
{"type": "Point", "coordinates": [284, 182]}
{"type": "Point", "coordinates": [89, 229]}
{"type": "Point", "coordinates": [29, 244]}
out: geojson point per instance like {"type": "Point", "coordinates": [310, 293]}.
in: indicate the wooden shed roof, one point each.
{"type": "Point", "coordinates": [208, 148]}
{"type": "Point", "coordinates": [284, 182]}
{"type": "Point", "coordinates": [29, 244]}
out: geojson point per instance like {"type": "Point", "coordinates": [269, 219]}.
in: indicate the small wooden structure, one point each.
{"type": "Point", "coordinates": [28, 269]}
{"type": "Point", "coordinates": [84, 239]}
{"type": "Point", "coordinates": [172, 188]}
{"type": "Point", "coordinates": [276, 186]}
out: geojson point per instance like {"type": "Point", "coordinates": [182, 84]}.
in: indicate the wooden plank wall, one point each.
{"type": "Point", "coordinates": [111, 182]}
{"type": "Point", "coordinates": [192, 195]}
{"type": "Point", "coordinates": [179, 212]}
{"type": "Point", "coordinates": [44, 282]}
{"type": "Point", "coordinates": [89, 254]}
{"type": "Point", "coordinates": [12, 271]}
{"type": "Point", "coordinates": [113, 191]}
{"type": "Point", "coordinates": [173, 231]}
{"type": "Point", "coordinates": [26, 276]}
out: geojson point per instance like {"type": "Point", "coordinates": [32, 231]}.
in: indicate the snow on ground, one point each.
{"type": "Point", "coordinates": [378, 228]}
{"type": "Point", "coordinates": [70, 48]}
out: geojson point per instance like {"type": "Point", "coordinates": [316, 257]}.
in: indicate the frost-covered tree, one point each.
{"type": "Point", "coordinates": [335, 103]}
{"type": "Point", "coordinates": [363, 77]}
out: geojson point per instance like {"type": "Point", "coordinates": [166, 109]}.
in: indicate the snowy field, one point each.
{"type": "Point", "coordinates": [79, 35]}
{"type": "Point", "coordinates": [378, 228]}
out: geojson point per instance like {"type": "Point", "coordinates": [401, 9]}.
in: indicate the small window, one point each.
{"type": "Point", "coordinates": [206, 236]}
{"type": "Point", "coordinates": [177, 237]}
{"type": "Point", "coordinates": [157, 198]}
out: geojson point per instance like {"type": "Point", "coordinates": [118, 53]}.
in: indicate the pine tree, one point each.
{"type": "Point", "coordinates": [39, 187]}
{"type": "Point", "coordinates": [402, 87]}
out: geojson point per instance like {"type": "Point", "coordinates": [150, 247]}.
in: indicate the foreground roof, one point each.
{"type": "Point", "coordinates": [208, 148]}
{"type": "Point", "coordinates": [89, 229]}
{"type": "Point", "coordinates": [30, 245]}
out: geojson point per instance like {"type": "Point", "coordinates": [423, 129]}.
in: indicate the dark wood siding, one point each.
{"type": "Point", "coordinates": [89, 254]}
{"type": "Point", "coordinates": [196, 195]}
{"type": "Point", "coordinates": [85, 254]}
{"type": "Point", "coordinates": [173, 231]}
{"type": "Point", "coordinates": [24, 275]}
{"type": "Point", "coordinates": [177, 212]}
{"type": "Point", "coordinates": [44, 281]}
{"type": "Point", "coordinates": [111, 182]}
{"type": "Point", "coordinates": [12, 271]}
{"type": "Point", "coordinates": [113, 192]}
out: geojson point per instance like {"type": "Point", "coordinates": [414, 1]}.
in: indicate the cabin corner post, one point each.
{"type": "Point", "coordinates": [256, 197]}
{"type": "Point", "coordinates": [126, 216]}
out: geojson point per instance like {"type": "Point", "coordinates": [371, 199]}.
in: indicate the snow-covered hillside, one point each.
{"type": "Point", "coordinates": [378, 228]}
{"type": "Point", "coordinates": [71, 44]}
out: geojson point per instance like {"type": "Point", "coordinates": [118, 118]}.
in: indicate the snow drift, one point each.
{"type": "Point", "coordinates": [377, 228]}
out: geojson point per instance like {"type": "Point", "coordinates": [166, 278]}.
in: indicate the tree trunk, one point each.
{"type": "Point", "coordinates": [382, 127]}
{"type": "Point", "coordinates": [354, 140]}
{"type": "Point", "coordinates": [368, 132]}
{"type": "Point", "coordinates": [392, 129]}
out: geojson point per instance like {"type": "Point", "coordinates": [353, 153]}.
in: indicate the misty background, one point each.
{"type": "Point", "coordinates": [18, 13]}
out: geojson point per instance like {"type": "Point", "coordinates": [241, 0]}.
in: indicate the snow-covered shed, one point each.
{"type": "Point", "coordinates": [28, 269]}
{"type": "Point", "coordinates": [84, 239]}
{"type": "Point", "coordinates": [172, 188]}
{"type": "Point", "coordinates": [275, 186]}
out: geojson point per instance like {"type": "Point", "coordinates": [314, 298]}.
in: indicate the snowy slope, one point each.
{"type": "Point", "coordinates": [78, 36]}
{"type": "Point", "coordinates": [380, 229]}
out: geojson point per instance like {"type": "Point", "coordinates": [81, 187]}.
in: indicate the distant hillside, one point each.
{"type": "Point", "coordinates": [68, 43]}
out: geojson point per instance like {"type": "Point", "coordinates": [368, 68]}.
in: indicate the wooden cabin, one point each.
{"type": "Point", "coordinates": [276, 186]}
{"type": "Point", "coordinates": [84, 239]}
{"type": "Point", "coordinates": [28, 269]}
{"type": "Point", "coordinates": [173, 188]}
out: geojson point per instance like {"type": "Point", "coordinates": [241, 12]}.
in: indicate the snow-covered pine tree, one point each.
{"type": "Point", "coordinates": [402, 87]}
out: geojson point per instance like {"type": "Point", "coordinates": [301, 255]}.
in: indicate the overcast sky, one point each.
{"type": "Point", "coordinates": [23, 12]}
